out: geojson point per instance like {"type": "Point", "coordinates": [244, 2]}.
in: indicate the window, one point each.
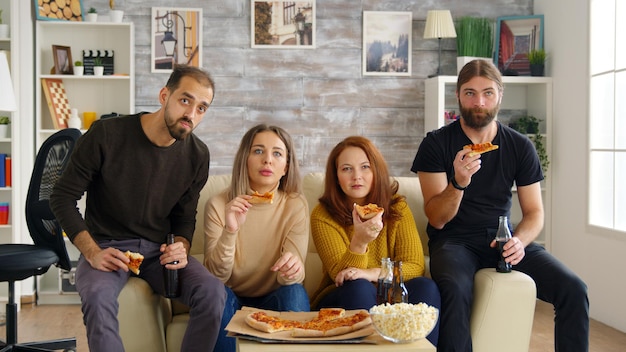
{"type": "Point", "coordinates": [289, 12]}
{"type": "Point", "coordinates": [607, 125]}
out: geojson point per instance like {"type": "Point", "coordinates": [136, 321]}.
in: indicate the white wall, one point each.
{"type": "Point", "coordinates": [597, 258]}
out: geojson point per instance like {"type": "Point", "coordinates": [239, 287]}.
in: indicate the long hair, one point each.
{"type": "Point", "coordinates": [382, 191]}
{"type": "Point", "coordinates": [240, 182]}
{"type": "Point", "coordinates": [479, 68]}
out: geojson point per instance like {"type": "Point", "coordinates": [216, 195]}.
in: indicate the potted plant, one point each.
{"type": "Point", "coordinates": [529, 125]}
{"type": "Point", "coordinates": [4, 126]}
{"type": "Point", "coordinates": [98, 67]}
{"type": "Point", "coordinates": [537, 60]}
{"type": "Point", "coordinates": [4, 28]}
{"type": "Point", "coordinates": [79, 69]}
{"type": "Point", "coordinates": [474, 40]}
{"type": "Point", "coordinates": [92, 15]}
{"type": "Point", "coordinates": [116, 15]}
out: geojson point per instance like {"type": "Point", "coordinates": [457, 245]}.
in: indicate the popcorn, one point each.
{"type": "Point", "coordinates": [404, 322]}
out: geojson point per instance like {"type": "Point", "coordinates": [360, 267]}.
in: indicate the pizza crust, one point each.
{"type": "Point", "coordinates": [368, 211]}
{"type": "Point", "coordinates": [480, 148]}
{"type": "Point", "coordinates": [258, 198]}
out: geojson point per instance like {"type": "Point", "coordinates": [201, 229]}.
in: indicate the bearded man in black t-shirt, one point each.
{"type": "Point", "coordinates": [464, 196]}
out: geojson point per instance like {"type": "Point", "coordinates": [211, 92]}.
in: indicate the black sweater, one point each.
{"type": "Point", "coordinates": [134, 188]}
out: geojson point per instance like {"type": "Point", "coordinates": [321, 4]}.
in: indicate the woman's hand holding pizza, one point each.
{"type": "Point", "coordinates": [365, 231]}
{"type": "Point", "coordinates": [236, 211]}
{"type": "Point", "coordinates": [288, 265]}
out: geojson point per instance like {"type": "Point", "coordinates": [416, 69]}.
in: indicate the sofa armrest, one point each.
{"type": "Point", "coordinates": [142, 317]}
{"type": "Point", "coordinates": [502, 300]}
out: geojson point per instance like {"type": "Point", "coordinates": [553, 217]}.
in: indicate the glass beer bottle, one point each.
{"type": "Point", "coordinates": [503, 236]}
{"type": "Point", "coordinates": [400, 293]}
{"type": "Point", "coordinates": [170, 276]}
{"type": "Point", "coordinates": [385, 281]}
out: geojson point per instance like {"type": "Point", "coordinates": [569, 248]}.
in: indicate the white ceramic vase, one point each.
{"type": "Point", "coordinates": [5, 131]}
{"type": "Point", "coordinates": [98, 70]}
{"type": "Point", "coordinates": [116, 16]}
{"type": "Point", "coordinates": [79, 70]}
{"type": "Point", "coordinates": [4, 31]}
{"type": "Point", "coordinates": [92, 17]}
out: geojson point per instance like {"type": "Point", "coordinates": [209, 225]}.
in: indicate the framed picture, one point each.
{"type": "Point", "coordinates": [62, 60]}
{"type": "Point", "coordinates": [387, 43]}
{"type": "Point", "coordinates": [283, 24]}
{"type": "Point", "coordinates": [59, 10]}
{"type": "Point", "coordinates": [176, 38]}
{"type": "Point", "coordinates": [515, 37]}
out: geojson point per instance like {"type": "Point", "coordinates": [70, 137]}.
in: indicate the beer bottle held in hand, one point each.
{"type": "Point", "coordinates": [170, 275]}
{"type": "Point", "coordinates": [503, 236]}
{"type": "Point", "coordinates": [385, 281]}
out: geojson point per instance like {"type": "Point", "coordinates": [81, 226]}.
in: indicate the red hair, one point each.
{"type": "Point", "coordinates": [383, 187]}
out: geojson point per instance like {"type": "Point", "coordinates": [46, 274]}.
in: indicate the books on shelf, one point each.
{"type": "Point", "coordinates": [5, 170]}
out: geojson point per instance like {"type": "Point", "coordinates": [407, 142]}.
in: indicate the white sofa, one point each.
{"type": "Point", "coordinates": [149, 322]}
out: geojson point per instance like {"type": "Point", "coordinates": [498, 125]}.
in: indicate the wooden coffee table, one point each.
{"type": "Point", "coordinates": [380, 345]}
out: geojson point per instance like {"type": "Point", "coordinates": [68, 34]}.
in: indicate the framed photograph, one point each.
{"type": "Point", "coordinates": [176, 38]}
{"type": "Point", "coordinates": [59, 10]}
{"type": "Point", "coordinates": [515, 37]}
{"type": "Point", "coordinates": [387, 43]}
{"type": "Point", "coordinates": [62, 60]}
{"type": "Point", "coordinates": [283, 24]}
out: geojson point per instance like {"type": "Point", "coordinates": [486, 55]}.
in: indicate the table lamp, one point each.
{"type": "Point", "coordinates": [439, 25]}
{"type": "Point", "coordinates": [7, 97]}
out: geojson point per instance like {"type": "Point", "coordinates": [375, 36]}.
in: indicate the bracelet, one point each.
{"type": "Point", "coordinates": [456, 185]}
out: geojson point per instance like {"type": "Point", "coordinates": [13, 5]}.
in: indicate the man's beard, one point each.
{"type": "Point", "coordinates": [478, 117]}
{"type": "Point", "coordinates": [178, 133]}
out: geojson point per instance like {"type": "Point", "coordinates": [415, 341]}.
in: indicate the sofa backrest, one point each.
{"type": "Point", "coordinates": [214, 185]}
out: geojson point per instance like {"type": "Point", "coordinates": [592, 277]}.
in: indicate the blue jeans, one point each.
{"type": "Point", "coordinates": [286, 298]}
{"type": "Point", "coordinates": [361, 294]}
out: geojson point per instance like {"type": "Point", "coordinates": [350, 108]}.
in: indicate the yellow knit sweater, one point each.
{"type": "Point", "coordinates": [400, 242]}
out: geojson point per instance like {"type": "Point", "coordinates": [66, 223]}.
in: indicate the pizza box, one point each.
{"type": "Point", "coordinates": [237, 327]}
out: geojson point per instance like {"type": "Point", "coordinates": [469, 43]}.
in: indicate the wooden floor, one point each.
{"type": "Point", "coordinates": [58, 321]}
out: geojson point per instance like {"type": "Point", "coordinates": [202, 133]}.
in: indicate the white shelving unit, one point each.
{"type": "Point", "coordinates": [528, 95]}
{"type": "Point", "coordinates": [102, 94]}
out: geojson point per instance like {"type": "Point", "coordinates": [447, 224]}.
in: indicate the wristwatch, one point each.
{"type": "Point", "coordinates": [456, 185]}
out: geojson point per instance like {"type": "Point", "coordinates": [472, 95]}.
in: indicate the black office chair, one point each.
{"type": "Point", "coordinates": [21, 261]}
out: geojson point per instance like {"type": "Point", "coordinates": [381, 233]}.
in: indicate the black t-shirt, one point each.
{"type": "Point", "coordinates": [489, 194]}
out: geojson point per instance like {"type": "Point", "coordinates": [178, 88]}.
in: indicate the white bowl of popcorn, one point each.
{"type": "Point", "coordinates": [404, 322]}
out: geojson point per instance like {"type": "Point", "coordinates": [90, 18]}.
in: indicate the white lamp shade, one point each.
{"type": "Point", "coordinates": [7, 97]}
{"type": "Point", "coordinates": [439, 24]}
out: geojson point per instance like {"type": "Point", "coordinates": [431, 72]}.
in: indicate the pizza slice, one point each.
{"type": "Point", "coordinates": [258, 198]}
{"type": "Point", "coordinates": [333, 327]}
{"type": "Point", "coordinates": [135, 261]}
{"type": "Point", "coordinates": [268, 323]}
{"type": "Point", "coordinates": [368, 211]}
{"type": "Point", "coordinates": [480, 148]}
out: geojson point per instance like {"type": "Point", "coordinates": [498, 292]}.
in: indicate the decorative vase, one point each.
{"type": "Point", "coordinates": [92, 17]}
{"type": "Point", "coordinates": [4, 31]}
{"type": "Point", "coordinates": [98, 70]}
{"type": "Point", "coordinates": [4, 131]}
{"type": "Point", "coordinates": [79, 70]}
{"type": "Point", "coordinates": [116, 16]}
{"type": "Point", "coordinates": [462, 60]}
{"type": "Point", "coordinates": [537, 69]}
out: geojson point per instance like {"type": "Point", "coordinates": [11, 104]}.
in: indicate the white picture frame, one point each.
{"type": "Point", "coordinates": [176, 38]}
{"type": "Point", "coordinates": [387, 43]}
{"type": "Point", "coordinates": [282, 24]}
